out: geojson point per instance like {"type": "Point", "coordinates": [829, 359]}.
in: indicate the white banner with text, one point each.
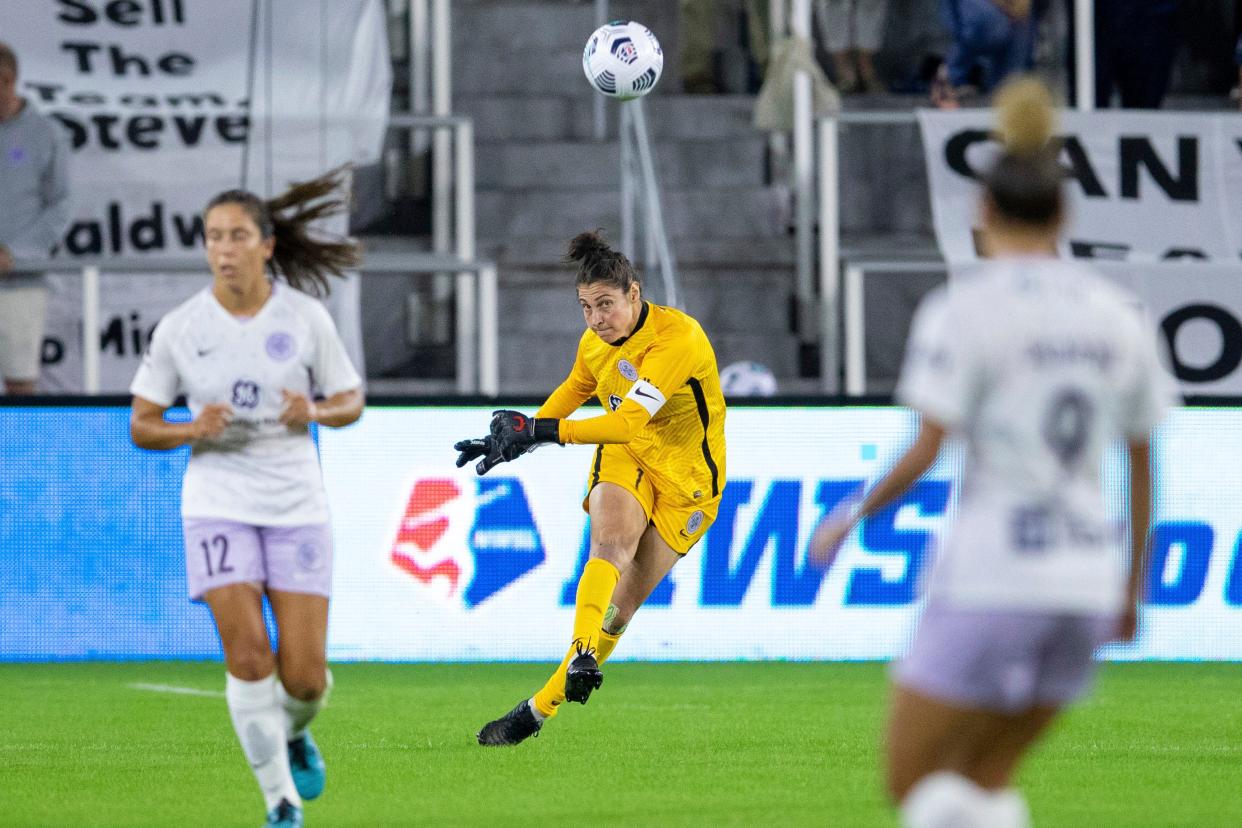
{"type": "Point", "coordinates": [1154, 200]}
{"type": "Point", "coordinates": [168, 102]}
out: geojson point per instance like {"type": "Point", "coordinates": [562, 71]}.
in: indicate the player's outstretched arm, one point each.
{"type": "Point", "coordinates": [149, 430]}
{"type": "Point", "coordinates": [833, 530]}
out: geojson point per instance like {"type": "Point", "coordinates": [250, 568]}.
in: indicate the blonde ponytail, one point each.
{"type": "Point", "coordinates": [1026, 116]}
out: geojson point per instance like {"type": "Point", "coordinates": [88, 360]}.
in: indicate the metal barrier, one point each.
{"type": "Point", "coordinates": [854, 344]}
{"type": "Point", "coordinates": [833, 351]}
{"type": "Point", "coordinates": [638, 176]}
{"type": "Point", "coordinates": [478, 349]}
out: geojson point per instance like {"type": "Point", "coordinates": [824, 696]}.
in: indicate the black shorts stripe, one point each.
{"type": "Point", "coordinates": [701, 401]}
{"type": "Point", "coordinates": [599, 458]}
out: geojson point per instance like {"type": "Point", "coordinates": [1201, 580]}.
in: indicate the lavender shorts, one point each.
{"type": "Point", "coordinates": [1002, 660]}
{"type": "Point", "coordinates": [283, 558]}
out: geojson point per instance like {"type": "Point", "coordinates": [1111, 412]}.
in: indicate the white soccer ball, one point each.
{"type": "Point", "coordinates": [623, 60]}
{"type": "Point", "coordinates": [747, 379]}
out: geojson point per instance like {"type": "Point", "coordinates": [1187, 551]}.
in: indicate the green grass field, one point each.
{"type": "Point", "coordinates": [660, 744]}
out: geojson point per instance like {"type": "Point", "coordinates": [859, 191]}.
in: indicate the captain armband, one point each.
{"type": "Point", "coordinates": [646, 395]}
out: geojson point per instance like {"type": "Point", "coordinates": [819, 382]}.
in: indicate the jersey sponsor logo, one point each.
{"type": "Point", "coordinates": [280, 346]}
{"type": "Point", "coordinates": [627, 370]}
{"type": "Point", "coordinates": [467, 542]}
{"type": "Point", "coordinates": [646, 395]}
{"type": "Point", "coordinates": [246, 394]}
{"type": "Point", "coordinates": [614, 402]}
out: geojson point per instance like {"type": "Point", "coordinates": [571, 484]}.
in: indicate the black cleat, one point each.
{"type": "Point", "coordinates": [512, 728]}
{"type": "Point", "coordinates": [582, 677]}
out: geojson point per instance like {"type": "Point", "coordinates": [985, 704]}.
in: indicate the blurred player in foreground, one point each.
{"type": "Point", "coordinates": [248, 352]}
{"type": "Point", "coordinates": [659, 468]}
{"type": "Point", "coordinates": [1037, 364]}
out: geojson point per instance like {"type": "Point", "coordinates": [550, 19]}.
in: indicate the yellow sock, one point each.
{"type": "Point", "coordinates": [599, 579]}
{"type": "Point", "coordinates": [607, 643]}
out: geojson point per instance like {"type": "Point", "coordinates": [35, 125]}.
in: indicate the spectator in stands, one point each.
{"type": "Point", "coordinates": [1135, 44]}
{"type": "Point", "coordinates": [851, 31]}
{"type": "Point", "coordinates": [993, 37]}
{"type": "Point", "coordinates": [1237, 58]}
{"type": "Point", "coordinates": [724, 45]}
{"type": "Point", "coordinates": [34, 190]}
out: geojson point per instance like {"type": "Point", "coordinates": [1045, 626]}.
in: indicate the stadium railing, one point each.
{"type": "Point", "coordinates": [854, 334]}
{"type": "Point", "coordinates": [476, 284]}
{"type": "Point", "coordinates": [820, 154]}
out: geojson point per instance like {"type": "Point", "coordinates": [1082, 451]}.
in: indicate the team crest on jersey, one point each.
{"type": "Point", "coordinates": [465, 543]}
{"type": "Point", "coordinates": [308, 557]}
{"type": "Point", "coordinates": [695, 521]}
{"type": "Point", "coordinates": [614, 402]}
{"type": "Point", "coordinates": [627, 370]}
{"type": "Point", "coordinates": [280, 346]}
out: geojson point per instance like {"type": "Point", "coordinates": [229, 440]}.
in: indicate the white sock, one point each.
{"type": "Point", "coordinates": [298, 713]}
{"type": "Point", "coordinates": [947, 800]}
{"type": "Point", "coordinates": [260, 727]}
{"type": "Point", "coordinates": [539, 717]}
{"type": "Point", "coordinates": [1008, 808]}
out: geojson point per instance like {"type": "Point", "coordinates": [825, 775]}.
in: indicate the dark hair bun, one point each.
{"type": "Point", "coordinates": [586, 246]}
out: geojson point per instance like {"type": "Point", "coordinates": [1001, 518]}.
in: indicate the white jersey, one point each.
{"type": "Point", "coordinates": [1037, 364]}
{"type": "Point", "coordinates": [258, 471]}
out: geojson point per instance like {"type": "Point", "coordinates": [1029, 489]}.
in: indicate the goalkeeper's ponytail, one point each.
{"type": "Point", "coordinates": [599, 263]}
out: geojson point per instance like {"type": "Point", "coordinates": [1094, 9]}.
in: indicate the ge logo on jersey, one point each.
{"type": "Point", "coordinates": [245, 394]}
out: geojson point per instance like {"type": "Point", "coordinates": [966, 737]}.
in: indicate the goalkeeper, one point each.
{"type": "Point", "coordinates": [659, 467]}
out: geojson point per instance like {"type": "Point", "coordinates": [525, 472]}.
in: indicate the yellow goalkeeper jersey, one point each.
{"type": "Point", "coordinates": [661, 389]}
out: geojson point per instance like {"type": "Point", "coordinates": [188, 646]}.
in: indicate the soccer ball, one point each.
{"type": "Point", "coordinates": [747, 379]}
{"type": "Point", "coordinates": [623, 60]}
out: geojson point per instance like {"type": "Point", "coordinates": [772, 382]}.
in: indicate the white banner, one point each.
{"type": "Point", "coordinates": [1155, 201]}
{"type": "Point", "coordinates": [435, 563]}
{"type": "Point", "coordinates": [168, 102]}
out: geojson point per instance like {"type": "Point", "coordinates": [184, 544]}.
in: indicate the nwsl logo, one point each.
{"type": "Point", "coordinates": [467, 545]}
{"type": "Point", "coordinates": [625, 50]}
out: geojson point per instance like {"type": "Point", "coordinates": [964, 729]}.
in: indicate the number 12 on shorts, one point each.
{"type": "Point", "coordinates": [219, 544]}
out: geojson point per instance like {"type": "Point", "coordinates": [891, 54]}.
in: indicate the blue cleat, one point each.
{"type": "Point", "coordinates": [306, 764]}
{"type": "Point", "coordinates": [284, 815]}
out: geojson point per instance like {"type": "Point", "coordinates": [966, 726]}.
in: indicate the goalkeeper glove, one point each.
{"type": "Point", "coordinates": [513, 433]}
{"type": "Point", "coordinates": [473, 449]}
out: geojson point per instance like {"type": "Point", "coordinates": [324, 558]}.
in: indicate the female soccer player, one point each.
{"type": "Point", "coordinates": [248, 352]}
{"type": "Point", "coordinates": [659, 467]}
{"type": "Point", "coordinates": [1037, 364]}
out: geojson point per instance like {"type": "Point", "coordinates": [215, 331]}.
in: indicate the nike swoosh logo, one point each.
{"type": "Point", "coordinates": [640, 393]}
